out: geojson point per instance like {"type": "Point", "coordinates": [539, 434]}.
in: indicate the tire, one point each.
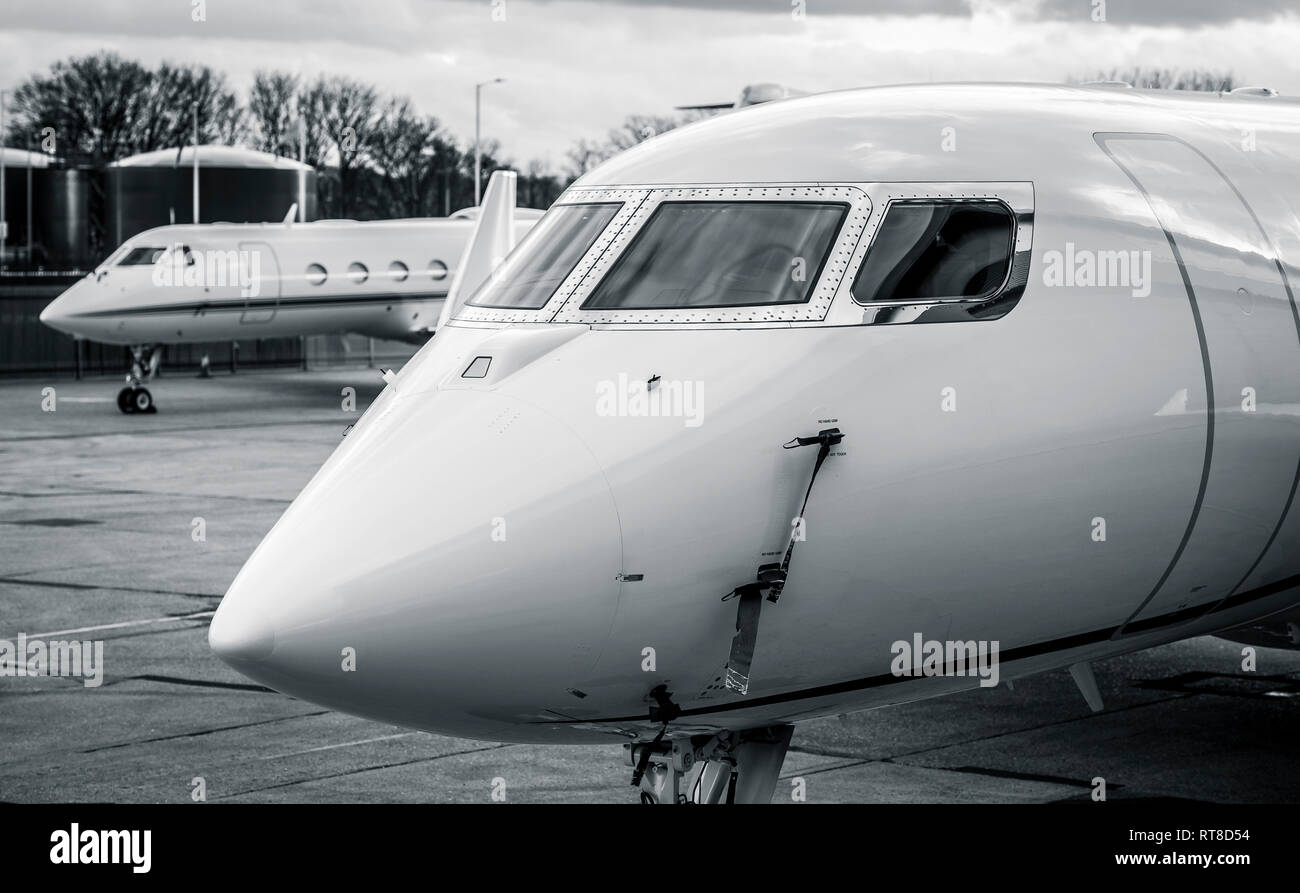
{"type": "Point", "coordinates": [142, 401]}
{"type": "Point", "coordinates": [124, 401]}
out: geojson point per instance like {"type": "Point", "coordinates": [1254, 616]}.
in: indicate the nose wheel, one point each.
{"type": "Point", "coordinates": [133, 400]}
{"type": "Point", "coordinates": [729, 767]}
{"type": "Point", "coordinates": [135, 397]}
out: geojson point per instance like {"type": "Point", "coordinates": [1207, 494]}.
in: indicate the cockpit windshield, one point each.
{"type": "Point", "coordinates": [722, 254]}
{"type": "Point", "coordinates": [142, 256]}
{"type": "Point", "coordinates": [545, 258]}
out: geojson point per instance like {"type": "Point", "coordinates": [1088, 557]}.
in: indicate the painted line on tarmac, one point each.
{"type": "Point", "coordinates": [202, 732]}
{"type": "Point", "coordinates": [298, 753]}
{"type": "Point", "coordinates": [376, 768]}
{"type": "Point", "coordinates": [117, 491]}
{"type": "Point", "coordinates": [58, 584]}
{"type": "Point", "coordinates": [150, 431]}
{"type": "Point", "coordinates": [124, 624]}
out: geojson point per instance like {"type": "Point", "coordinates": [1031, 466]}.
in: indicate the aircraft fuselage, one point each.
{"type": "Point", "coordinates": [1072, 466]}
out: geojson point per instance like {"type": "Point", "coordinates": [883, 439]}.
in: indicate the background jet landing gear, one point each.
{"type": "Point", "coordinates": [729, 767]}
{"type": "Point", "coordinates": [135, 397]}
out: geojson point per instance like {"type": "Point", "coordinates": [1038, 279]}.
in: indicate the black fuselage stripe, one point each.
{"type": "Point", "coordinates": [1101, 139]}
{"type": "Point", "coordinates": [1022, 652]}
{"type": "Point", "coordinates": [297, 303]}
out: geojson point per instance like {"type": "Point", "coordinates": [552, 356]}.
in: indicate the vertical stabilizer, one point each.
{"type": "Point", "coordinates": [492, 239]}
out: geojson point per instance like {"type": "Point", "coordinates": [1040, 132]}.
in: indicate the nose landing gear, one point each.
{"type": "Point", "coordinates": [728, 767]}
{"type": "Point", "coordinates": [135, 397]}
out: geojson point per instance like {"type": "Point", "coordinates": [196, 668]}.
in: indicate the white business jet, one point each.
{"type": "Point", "coordinates": [820, 406]}
{"type": "Point", "coordinates": [229, 281]}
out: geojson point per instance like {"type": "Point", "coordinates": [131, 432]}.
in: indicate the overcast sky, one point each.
{"type": "Point", "coordinates": [576, 68]}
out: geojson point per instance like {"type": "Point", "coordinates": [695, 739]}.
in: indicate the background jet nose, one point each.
{"type": "Point", "coordinates": [53, 313]}
{"type": "Point", "coordinates": [457, 557]}
{"type": "Point", "coordinates": [58, 314]}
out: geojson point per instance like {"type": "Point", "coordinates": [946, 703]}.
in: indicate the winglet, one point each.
{"type": "Point", "coordinates": [1082, 673]}
{"type": "Point", "coordinates": [492, 239]}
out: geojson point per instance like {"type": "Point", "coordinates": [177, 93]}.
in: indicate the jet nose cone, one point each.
{"type": "Point", "coordinates": [453, 567]}
{"type": "Point", "coordinates": [52, 314]}
{"type": "Point", "coordinates": [58, 313]}
{"type": "Point", "coordinates": [239, 635]}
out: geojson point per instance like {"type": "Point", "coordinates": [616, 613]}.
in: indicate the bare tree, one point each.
{"type": "Point", "coordinates": [491, 160]}
{"type": "Point", "coordinates": [173, 94]}
{"type": "Point", "coordinates": [586, 154]}
{"type": "Point", "coordinates": [105, 107]}
{"type": "Point", "coordinates": [272, 109]}
{"type": "Point", "coordinates": [538, 186]}
{"type": "Point", "coordinates": [373, 156]}
{"type": "Point", "coordinates": [401, 156]}
{"type": "Point", "coordinates": [583, 155]}
{"type": "Point", "coordinates": [1167, 78]}
{"type": "Point", "coordinates": [637, 129]}
{"type": "Point", "coordinates": [342, 112]}
{"type": "Point", "coordinates": [94, 103]}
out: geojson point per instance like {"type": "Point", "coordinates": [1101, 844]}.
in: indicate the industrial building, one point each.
{"type": "Point", "coordinates": [235, 185]}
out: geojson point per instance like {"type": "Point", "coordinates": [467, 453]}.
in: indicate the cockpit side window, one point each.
{"type": "Point", "coordinates": [544, 259]}
{"type": "Point", "coordinates": [701, 254]}
{"type": "Point", "coordinates": [937, 250]}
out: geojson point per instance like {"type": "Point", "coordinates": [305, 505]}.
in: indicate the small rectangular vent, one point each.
{"type": "Point", "coordinates": [478, 368]}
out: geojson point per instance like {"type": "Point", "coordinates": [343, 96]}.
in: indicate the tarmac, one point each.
{"type": "Point", "coordinates": [98, 541]}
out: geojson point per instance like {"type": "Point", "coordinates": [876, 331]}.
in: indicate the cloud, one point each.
{"type": "Point", "coordinates": [817, 7]}
{"type": "Point", "coordinates": [1178, 13]}
{"type": "Point", "coordinates": [576, 68]}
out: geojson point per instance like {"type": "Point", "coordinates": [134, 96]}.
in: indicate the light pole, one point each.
{"type": "Point", "coordinates": [302, 170]}
{"type": "Point", "coordinates": [478, 155]}
{"type": "Point", "coordinates": [195, 187]}
{"type": "Point", "coordinates": [4, 221]}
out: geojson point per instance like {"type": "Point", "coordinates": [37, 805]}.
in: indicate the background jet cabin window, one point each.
{"type": "Point", "coordinates": [926, 251]}
{"type": "Point", "coordinates": [545, 257]}
{"type": "Point", "coordinates": [722, 254]}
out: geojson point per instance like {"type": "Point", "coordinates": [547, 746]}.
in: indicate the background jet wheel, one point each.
{"type": "Point", "coordinates": [142, 401]}
{"type": "Point", "coordinates": [124, 400]}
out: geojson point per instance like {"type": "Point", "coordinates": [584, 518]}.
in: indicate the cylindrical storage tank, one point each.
{"type": "Point", "coordinates": [61, 222]}
{"type": "Point", "coordinates": [17, 164]}
{"type": "Point", "coordinates": [235, 186]}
